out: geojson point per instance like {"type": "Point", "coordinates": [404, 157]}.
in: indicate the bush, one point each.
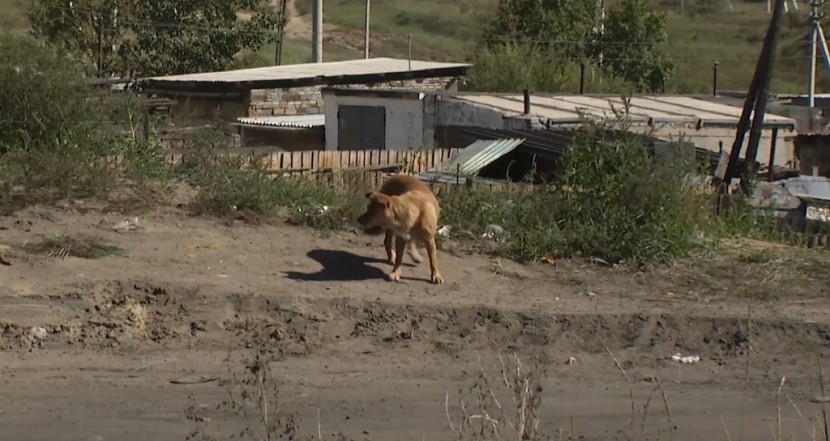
{"type": "Point", "coordinates": [610, 200]}
{"type": "Point", "coordinates": [234, 183]}
{"type": "Point", "coordinates": [58, 137]}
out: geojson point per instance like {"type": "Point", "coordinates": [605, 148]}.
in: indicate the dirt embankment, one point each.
{"type": "Point", "coordinates": [89, 346]}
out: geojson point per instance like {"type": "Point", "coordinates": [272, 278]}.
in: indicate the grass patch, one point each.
{"type": "Point", "coordinates": [84, 247]}
{"type": "Point", "coordinates": [229, 184]}
{"type": "Point", "coordinates": [757, 269]}
{"type": "Point", "coordinates": [14, 18]}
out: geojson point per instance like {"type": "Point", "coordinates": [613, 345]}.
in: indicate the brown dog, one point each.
{"type": "Point", "coordinates": [408, 211]}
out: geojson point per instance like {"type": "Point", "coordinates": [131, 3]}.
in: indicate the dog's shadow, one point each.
{"type": "Point", "coordinates": [341, 266]}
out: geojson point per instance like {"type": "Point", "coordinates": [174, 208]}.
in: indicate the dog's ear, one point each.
{"type": "Point", "coordinates": [381, 198]}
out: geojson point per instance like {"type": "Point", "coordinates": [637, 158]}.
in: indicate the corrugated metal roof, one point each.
{"type": "Point", "coordinates": [810, 187]}
{"type": "Point", "coordinates": [300, 121]}
{"type": "Point", "coordinates": [479, 154]}
{"type": "Point", "coordinates": [643, 109]}
{"type": "Point", "coordinates": [308, 71]}
{"type": "Point", "coordinates": [552, 144]}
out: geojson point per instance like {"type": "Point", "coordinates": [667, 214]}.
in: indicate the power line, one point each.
{"type": "Point", "coordinates": [159, 24]}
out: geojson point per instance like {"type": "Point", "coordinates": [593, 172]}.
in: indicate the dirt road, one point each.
{"type": "Point", "coordinates": [377, 359]}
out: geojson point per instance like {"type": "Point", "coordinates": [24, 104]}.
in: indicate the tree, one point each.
{"type": "Point", "coordinates": [634, 45]}
{"type": "Point", "coordinates": [567, 33]}
{"type": "Point", "coordinates": [154, 37]}
{"type": "Point", "coordinates": [93, 27]}
{"type": "Point", "coordinates": [564, 27]}
{"type": "Point", "coordinates": [197, 35]}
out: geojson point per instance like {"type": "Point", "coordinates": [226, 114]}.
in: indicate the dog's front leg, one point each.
{"type": "Point", "coordinates": [432, 250]}
{"type": "Point", "coordinates": [400, 246]}
{"type": "Point", "coordinates": [387, 243]}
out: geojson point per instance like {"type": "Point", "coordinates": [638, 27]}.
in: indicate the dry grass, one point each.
{"type": "Point", "coordinates": [756, 269]}
{"type": "Point", "coordinates": [63, 246]}
{"type": "Point", "coordinates": [485, 417]}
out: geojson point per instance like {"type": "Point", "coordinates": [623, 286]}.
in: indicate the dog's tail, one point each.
{"type": "Point", "coordinates": [414, 253]}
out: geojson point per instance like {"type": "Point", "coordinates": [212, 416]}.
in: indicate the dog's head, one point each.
{"type": "Point", "coordinates": [378, 212]}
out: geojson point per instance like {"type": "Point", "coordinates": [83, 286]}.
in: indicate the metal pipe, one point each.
{"type": "Point", "coordinates": [366, 31]}
{"type": "Point", "coordinates": [527, 101]}
{"type": "Point", "coordinates": [774, 140]}
{"type": "Point", "coordinates": [811, 82]}
{"type": "Point", "coordinates": [317, 32]}
{"type": "Point", "coordinates": [715, 79]}
{"type": "Point", "coordinates": [824, 48]}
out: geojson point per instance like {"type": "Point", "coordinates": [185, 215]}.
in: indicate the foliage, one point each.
{"type": "Point", "coordinates": [560, 26]}
{"type": "Point", "coordinates": [229, 184]}
{"type": "Point", "coordinates": [57, 134]}
{"type": "Point", "coordinates": [94, 28]}
{"type": "Point", "coordinates": [147, 37]}
{"type": "Point", "coordinates": [555, 34]}
{"type": "Point", "coordinates": [206, 36]}
{"type": "Point", "coordinates": [610, 200]}
{"type": "Point", "coordinates": [617, 203]}
{"type": "Point", "coordinates": [634, 45]}
{"type": "Point", "coordinates": [515, 66]}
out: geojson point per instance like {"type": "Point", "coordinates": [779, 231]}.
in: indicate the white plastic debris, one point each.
{"type": "Point", "coordinates": [689, 359]}
{"type": "Point", "coordinates": [572, 360]}
{"type": "Point", "coordinates": [495, 232]}
{"type": "Point", "coordinates": [37, 333]}
{"type": "Point", "coordinates": [127, 225]}
{"type": "Point", "coordinates": [444, 231]}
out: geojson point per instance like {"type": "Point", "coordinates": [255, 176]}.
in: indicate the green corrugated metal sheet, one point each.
{"type": "Point", "coordinates": [479, 154]}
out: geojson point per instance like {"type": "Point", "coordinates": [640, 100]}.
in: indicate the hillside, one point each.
{"type": "Point", "coordinates": [697, 38]}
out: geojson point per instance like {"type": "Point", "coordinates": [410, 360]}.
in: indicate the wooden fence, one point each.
{"type": "Point", "coordinates": [345, 167]}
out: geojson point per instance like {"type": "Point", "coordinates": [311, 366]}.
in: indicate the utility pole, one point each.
{"type": "Point", "coordinates": [317, 32]}
{"type": "Point", "coordinates": [602, 27]}
{"type": "Point", "coordinates": [281, 29]}
{"type": "Point", "coordinates": [816, 37]}
{"type": "Point", "coordinates": [811, 82]}
{"type": "Point", "coordinates": [366, 32]}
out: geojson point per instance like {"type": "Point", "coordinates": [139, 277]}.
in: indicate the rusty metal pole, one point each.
{"type": "Point", "coordinates": [752, 95]}
{"type": "Point", "coordinates": [761, 101]}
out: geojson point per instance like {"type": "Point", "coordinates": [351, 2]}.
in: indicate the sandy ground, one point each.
{"type": "Point", "coordinates": [373, 359]}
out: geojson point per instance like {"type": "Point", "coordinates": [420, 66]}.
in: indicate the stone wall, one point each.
{"type": "Point", "coordinates": [309, 100]}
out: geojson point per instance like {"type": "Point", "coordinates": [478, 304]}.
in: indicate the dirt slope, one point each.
{"type": "Point", "coordinates": [376, 358]}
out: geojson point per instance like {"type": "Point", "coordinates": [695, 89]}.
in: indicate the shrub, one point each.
{"type": "Point", "coordinates": [57, 134]}
{"type": "Point", "coordinates": [243, 182]}
{"type": "Point", "coordinates": [609, 200]}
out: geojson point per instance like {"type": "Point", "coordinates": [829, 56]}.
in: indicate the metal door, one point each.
{"type": "Point", "coordinates": [361, 127]}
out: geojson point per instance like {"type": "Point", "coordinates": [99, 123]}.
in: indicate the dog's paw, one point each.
{"type": "Point", "coordinates": [394, 276]}
{"type": "Point", "coordinates": [437, 279]}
